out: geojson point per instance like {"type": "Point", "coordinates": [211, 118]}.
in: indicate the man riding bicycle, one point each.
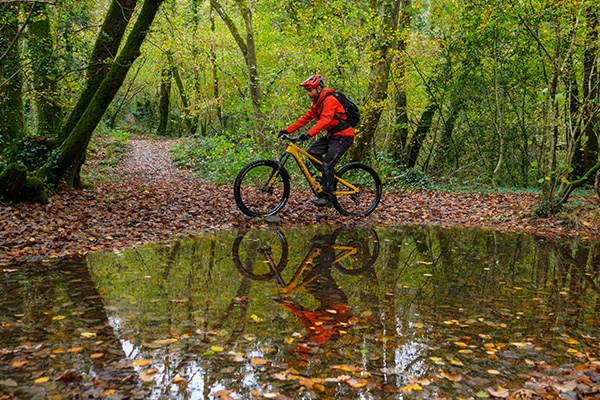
{"type": "Point", "coordinates": [331, 116]}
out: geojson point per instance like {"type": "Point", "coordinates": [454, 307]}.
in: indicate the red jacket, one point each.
{"type": "Point", "coordinates": [328, 112]}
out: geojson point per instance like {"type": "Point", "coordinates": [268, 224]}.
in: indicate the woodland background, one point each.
{"type": "Point", "coordinates": [493, 93]}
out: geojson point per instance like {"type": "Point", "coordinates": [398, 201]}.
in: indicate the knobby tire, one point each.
{"type": "Point", "coordinates": [253, 196]}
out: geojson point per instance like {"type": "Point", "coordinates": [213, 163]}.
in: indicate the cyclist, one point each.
{"type": "Point", "coordinates": [324, 322]}
{"type": "Point", "coordinates": [330, 116]}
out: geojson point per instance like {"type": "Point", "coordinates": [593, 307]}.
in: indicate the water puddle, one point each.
{"type": "Point", "coordinates": [407, 313]}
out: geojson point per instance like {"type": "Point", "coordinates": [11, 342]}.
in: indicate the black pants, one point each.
{"type": "Point", "coordinates": [329, 149]}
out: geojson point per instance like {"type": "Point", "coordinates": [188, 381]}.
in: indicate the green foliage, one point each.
{"type": "Point", "coordinates": [32, 150]}
{"type": "Point", "coordinates": [414, 178]}
{"type": "Point", "coordinates": [217, 159]}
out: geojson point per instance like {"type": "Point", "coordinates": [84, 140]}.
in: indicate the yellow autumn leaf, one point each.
{"type": "Point", "coordinates": [141, 362]}
{"type": "Point", "coordinates": [493, 372]}
{"type": "Point", "coordinates": [75, 350]}
{"type": "Point", "coordinates": [58, 317]}
{"type": "Point", "coordinates": [357, 384]}
{"type": "Point", "coordinates": [256, 318]}
{"type": "Point", "coordinates": [346, 368]}
{"type": "Point", "coordinates": [97, 355]}
{"type": "Point", "coordinates": [43, 379]}
{"type": "Point", "coordinates": [216, 349]}
{"type": "Point", "coordinates": [437, 360]}
{"type": "Point", "coordinates": [571, 341]}
{"type": "Point", "coordinates": [178, 380]}
{"type": "Point", "coordinates": [88, 335]}
{"type": "Point", "coordinates": [465, 351]}
{"type": "Point", "coordinates": [457, 362]}
{"type": "Point", "coordinates": [58, 351]}
{"type": "Point", "coordinates": [460, 344]}
{"type": "Point", "coordinates": [412, 388]}
{"type": "Point", "coordinates": [258, 361]}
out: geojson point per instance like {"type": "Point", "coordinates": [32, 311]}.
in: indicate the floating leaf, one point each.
{"type": "Point", "coordinates": [357, 384]}
{"type": "Point", "coordinates": [18, 364]}
{"type": "Point", "coordinates": [75, 350]}
{"type": "Point", "coordinates": [452, 377]}
{"type": "Point", "coordinates": [256, 318]}
{"type": "Point", "coordinates": [411, 388]}
{"type": "Point", "coordinates": [97, 355]}
{"type": "Point", "coordinates": [457, 362]}
{"type": "Point", "coordinates": [165, 341]}
{"type": "Point", "coordinates": [259, 361]}
{"type": "Point", "coordinates": [141, 362]}
{"type": "Point", "coordinates": [58, 317]}
{"type": "Point", "coordinates": [88, 335]}
{"type": "Point", "coordinates": [216, 349]}
{"type": "Point", "coordinates": [43, 379]}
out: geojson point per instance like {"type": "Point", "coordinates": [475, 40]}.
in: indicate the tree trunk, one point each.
{"type": "Point", "coordinates": [248, 49]}
{"type": "Point", "coordinates": [105, 49]}
{"type": "Point", "coordinates": [416, 142]}
{"type": "Point", "coordinates": [44, 71]}
{"type": "Point", "coordinates": [12, 124]}
{"type": "Point", "coordinates": [76, 143]}
{"type": "Point", "coordinates": [165, 95]}
{"type": "Point", "coordinates": [378, 81]}
{"type": "Point", "coordinates": [190, 121]}
{"type": "Point", "coordinates": [215, 69]}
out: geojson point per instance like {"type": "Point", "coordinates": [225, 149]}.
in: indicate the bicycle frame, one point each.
{"type": "Point", "coordinates": [297, 152]}
{"type": "Point", "coordinates": [296, 283]}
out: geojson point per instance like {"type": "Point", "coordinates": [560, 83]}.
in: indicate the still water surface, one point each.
{"type": "Point", "coordinates": [412, 312]}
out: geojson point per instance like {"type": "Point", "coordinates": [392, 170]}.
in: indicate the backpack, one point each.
{"type": "Point", "coordinates": [351, 109]}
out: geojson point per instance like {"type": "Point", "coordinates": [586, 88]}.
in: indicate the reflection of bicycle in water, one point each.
{"type": "Point", "coordinates": [263, 255]}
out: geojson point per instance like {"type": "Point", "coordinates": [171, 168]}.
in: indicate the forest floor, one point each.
{"type": "Point", "coordinates": [146, 199]}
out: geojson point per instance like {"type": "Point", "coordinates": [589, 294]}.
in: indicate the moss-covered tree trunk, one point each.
{"type": "Point", "coordinates": [165, 99]}
{"type": "Point", "coordinates": [105, 49]}
{"type": "Point", "coordinates": [44, 70]}
{"type": "Point", "coordinates": [11, 79]}
{"type": "Point", "coordinates": [376, 97]}
{"type": "Point", "coordinates": [416, 143]}
{"type": "Point", "coordinates": [75, 145]}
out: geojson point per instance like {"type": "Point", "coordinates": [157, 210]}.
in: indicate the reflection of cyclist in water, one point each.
{"type": "Point", "coordinates": [333, 313]}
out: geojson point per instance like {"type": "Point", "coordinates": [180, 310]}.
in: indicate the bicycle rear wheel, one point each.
{"type": "Point", "coordinates": [366, 200]}
{"type": "Point", "coordinates": [260, 254]}
{"type": "Point", "coordinates": [261, 188]}
{"type": "Point", "coordinates": [357, 249]}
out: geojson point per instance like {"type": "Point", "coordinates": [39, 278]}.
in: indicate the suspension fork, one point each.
{"type": "Point", "coordinates": [280, 164]}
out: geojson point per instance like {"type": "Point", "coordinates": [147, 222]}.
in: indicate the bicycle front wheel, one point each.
{"type": "Point", "coordinates": [366, 199]}
{"type": "Point", "coordinates": [261, 188]}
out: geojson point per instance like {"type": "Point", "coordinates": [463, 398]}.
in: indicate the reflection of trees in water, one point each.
{"type": "Point", "coordinates": [58, 303]}
{"type": "Point", "coordinates": [447, 268]}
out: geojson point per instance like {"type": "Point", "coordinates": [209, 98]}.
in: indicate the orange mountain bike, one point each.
{"type": "Point", "coordinates": [262, 187]}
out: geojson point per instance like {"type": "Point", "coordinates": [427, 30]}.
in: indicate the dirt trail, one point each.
{"type": "Point", "coordinates": [150, 201]}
